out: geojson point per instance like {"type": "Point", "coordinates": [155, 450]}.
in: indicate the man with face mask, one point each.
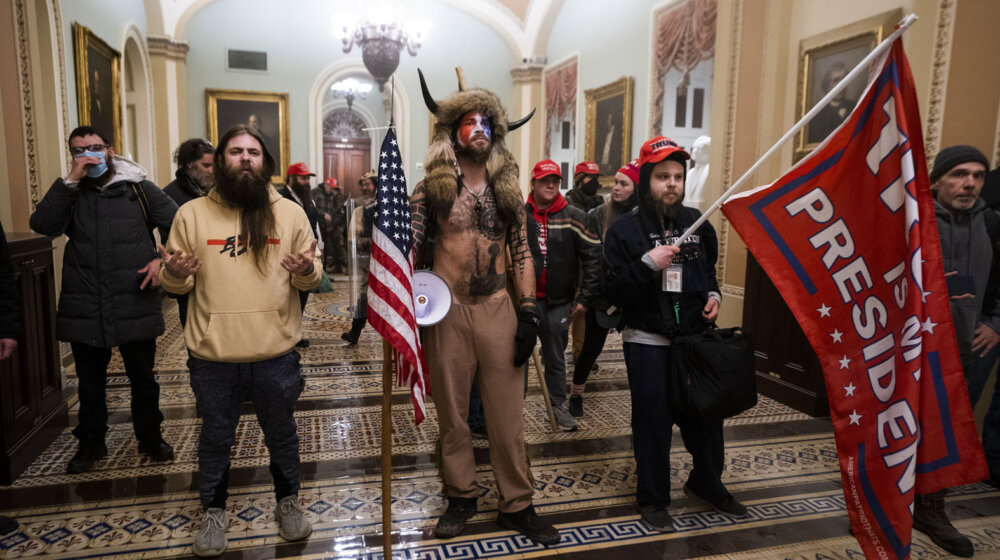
{"type": "Point", "coordinates": [584, 195]}
{"type": "Point", "coordinates": [470, 204]}
{"type": "Point", "coordinates": [109, 297]}
{"type": "Point", "coordinates": [243, 253]}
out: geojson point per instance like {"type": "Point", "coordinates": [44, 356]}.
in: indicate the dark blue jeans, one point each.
{"type": "Point", "coordinates": [652, 429]}
{"type": "Point", "coordinates": [273, 386]}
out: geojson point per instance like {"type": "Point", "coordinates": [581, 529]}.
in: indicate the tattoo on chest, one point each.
{"type": "Point", "coordinates": [487, 219]}
{"type": "Point", "coordinates": [490, 281]}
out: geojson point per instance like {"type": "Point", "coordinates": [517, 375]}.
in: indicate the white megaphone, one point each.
{"type": "Point", "coordinates": [431, 298]}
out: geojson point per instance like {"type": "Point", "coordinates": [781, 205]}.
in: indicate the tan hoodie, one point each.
{"type": "Point", "coordinates": [235, 313]}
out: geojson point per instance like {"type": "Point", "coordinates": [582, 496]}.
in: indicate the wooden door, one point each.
{"type": "Point", "coordinates": [346, 159]}
{"type": "Point", "coordinates": [788, 370]}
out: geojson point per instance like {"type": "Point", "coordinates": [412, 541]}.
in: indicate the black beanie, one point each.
{"type": "Point", "coordinates": [956, 155]}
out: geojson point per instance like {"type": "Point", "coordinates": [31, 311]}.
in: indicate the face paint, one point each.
{"type": "Point", "coordinates": [473, 124]}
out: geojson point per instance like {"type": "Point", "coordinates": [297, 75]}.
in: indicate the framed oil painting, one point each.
{"type": "Point", "coordinates": [609, 126]}
{"type": "Point", "coordinates": [824, 61]}
{"type": "Point", "coordinates": [267, 112]}
{"type": "Point", "coordinates": [98, 84]}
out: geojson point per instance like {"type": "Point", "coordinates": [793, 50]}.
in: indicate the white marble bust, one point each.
{"type": "Point", "coordinates": [698, 174]}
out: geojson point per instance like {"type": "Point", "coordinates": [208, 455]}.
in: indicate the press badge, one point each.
{"type": "Point", "coordinates": [672, 278]}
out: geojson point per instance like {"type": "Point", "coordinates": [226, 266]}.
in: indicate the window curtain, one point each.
{"type": "Point", "coordinates": [685, 36]}
{"type": "Point", "coordinates": [560, 97]}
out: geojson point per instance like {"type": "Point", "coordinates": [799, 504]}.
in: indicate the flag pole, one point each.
{"type": "Point", "coordinates": [904, 24]}
{"type": "Point", "coordinates": [386, 449]}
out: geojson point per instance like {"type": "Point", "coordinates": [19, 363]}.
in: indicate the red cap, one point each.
{"type": "Point", "coordinates": [299, 169]}
{"type": "Point", "coordinates": [332, 181]}
{"type": "Point", "coordinates": [631, 170]}
{"type": "Point", "coordinates": [545, 168]}
{"type": "Point", "coordinates": [657, 149]}
{"type": "Point", "coordinates": [587, 167]}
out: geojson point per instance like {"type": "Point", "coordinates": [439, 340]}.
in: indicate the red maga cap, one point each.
{"type": "Point", "coordinates": [299, 169]}
{"type": "Point", "coordinates": [545, 168]}
{"type": "Point", "coordinates": [658, 148]}
{"type": "Point", "coordinates": [587, 167]}
{"type": "Point", "coordinates": [332, 181]}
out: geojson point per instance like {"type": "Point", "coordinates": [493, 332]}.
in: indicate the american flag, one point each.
{"type": "Point", "coordinates": [390, 277]}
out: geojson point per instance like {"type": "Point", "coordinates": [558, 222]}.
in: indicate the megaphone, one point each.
{"type": "Point", "coordinates": [431, 298]}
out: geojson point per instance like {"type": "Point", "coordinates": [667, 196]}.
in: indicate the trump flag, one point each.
{"type": "Point", "coordinates": [849, 238]}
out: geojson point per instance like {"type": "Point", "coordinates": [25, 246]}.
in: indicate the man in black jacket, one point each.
{"type": "Point", "coordinates": [192, 180]}
{"type": "Point", "coordinates": [564, 250]}
{"type": "Point", "coordinates": [109, 294]}
{"type": "Point", "coordinates": [665, 290]}
{"type": "Point", "coordinates": [296, 189]}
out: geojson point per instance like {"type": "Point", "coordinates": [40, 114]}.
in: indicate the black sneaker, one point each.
{"type": "Point", "coordinates": [530, 525]}
{"type": "Point", "coordinates": [304, 343]}
{"type": "Point", "coordinates": [159, 452]}
{"type": "Point", "coordinates": [86, 455]}
{"type": "Point", "coordinates": [7, 525]}
{"type": "Point", "coordinates": [727, 506]}
{"type": "Point", "coordinates": [452, 521]}
{"type": "Point", "coordinates": [576, 405]}
{"type": "Point", "coordinates": [657, 518]}
{"type": "Point", "coordinates": [350, 338]}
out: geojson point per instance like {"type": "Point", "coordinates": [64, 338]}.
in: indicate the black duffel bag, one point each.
{"type": "Point", "coordinates": [713, 374]}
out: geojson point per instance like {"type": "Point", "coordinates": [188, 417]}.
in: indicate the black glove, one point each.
{"type": "Point", "coordinates": [527, 335]}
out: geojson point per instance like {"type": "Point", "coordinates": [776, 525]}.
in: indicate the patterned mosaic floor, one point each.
{"type": "Point", "coordinates": [781, 463]}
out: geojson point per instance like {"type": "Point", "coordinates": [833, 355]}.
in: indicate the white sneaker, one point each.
{"type": "Point", "coordinates": [211, 538]}
{"type": "Point", "coordinates": [292, 522]}
{"type": "Point", "coordinates": [564, 419]}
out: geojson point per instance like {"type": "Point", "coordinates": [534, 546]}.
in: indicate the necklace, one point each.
{"type": "Point", "coordinates": [479, 202]}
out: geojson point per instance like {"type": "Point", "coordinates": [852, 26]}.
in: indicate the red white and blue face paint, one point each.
{"type": "Point", "coordinates": [473, 124]}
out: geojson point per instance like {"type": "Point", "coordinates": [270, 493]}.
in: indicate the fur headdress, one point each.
{"type": "Point", "coordinates": [441, 178]}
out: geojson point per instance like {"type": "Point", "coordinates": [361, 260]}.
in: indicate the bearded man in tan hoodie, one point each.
{"type": "Point", "coordinates": [243, 253]}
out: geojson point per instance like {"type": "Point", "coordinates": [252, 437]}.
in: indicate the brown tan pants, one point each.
{"type": "Point", "coordinates": [475, 343]}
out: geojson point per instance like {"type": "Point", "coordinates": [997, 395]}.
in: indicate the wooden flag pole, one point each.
{"type": "Point", "coordinates": [387, 383]}
{"type": "Point", "coordinates": [537, 361]}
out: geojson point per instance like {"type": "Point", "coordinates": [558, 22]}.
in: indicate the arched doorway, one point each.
{"type": "Point", "coordinates": [346, 148]}
{"type": "Point", "coordinates": [138, 125]}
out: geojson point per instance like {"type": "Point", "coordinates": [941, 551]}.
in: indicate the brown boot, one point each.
{"type": "Point", "coordinates": [930, 519]}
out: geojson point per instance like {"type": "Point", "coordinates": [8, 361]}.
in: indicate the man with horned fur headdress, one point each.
{"type": "Point", "coordinates": [470, 206]}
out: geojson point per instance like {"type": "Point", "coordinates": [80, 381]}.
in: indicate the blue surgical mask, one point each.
{"type": "Point", "coordinates": [99, 169]}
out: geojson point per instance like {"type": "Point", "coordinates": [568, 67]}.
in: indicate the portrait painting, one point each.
{"type": "Point", "coordinates": [98, 97]}
{"type": "Point", "coordinates": [824, 62]}
{"type": "Point", "coordinates": [609, 126]}
{"type": "Point", "coordinates": [265, 112]}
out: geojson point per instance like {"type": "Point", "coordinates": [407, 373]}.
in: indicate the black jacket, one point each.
{"type": "Point", "coordinates": [310, 208]}
{"type": "Point", "coordinates": [100, 303]}
{"type": "Point", "coordinates": [9, 326]}
{"type": "Point", "coordinates": [182, 189]}
{"type": "Point", "coordinates": [574, 254]}
{"type": "Point", "coordinates": [634, 287]}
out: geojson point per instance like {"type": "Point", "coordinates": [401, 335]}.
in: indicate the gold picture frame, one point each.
{"type": "Point", "coordinates": [823, 60]}
{"type": "Point", "coordinates": [226, 108]}
{"type": "Point", "coordinates": [98, 84]}
{"type": "Point", "coordinates": [609, 126]}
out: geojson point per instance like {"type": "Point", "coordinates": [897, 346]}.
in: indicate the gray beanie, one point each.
{"type": "Point", "coordinates": [955, 155]}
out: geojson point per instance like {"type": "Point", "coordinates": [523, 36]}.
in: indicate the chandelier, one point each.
{"type": "Point", "coordinates": [381, 38]}
{"type": "Point", "coordinates": [351, 89]}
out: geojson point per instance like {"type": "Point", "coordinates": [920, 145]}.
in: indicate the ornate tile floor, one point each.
{"type": "Point", "coordinates": [781, 463]}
